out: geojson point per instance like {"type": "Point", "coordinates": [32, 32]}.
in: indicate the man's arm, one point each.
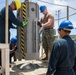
{"type": "Point", "coordinates": [12, 50]}
{"type": "Point", "coordinates": [13, 19]}
{"type": "Point", "coordinates": [48, 23]}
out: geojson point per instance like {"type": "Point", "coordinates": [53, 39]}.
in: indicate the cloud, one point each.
{"type": "Point", "coordinates": [53, 5]}
{"type": "Point", "coordinates": [61, 2]}
{"type": "Point", "coordinates": [74, 24]}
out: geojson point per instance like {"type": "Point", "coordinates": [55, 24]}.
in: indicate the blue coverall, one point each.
{"type": "Point", "coordinates": [11, 19]}
{"type": "Point", "coordinates": [62, 58]}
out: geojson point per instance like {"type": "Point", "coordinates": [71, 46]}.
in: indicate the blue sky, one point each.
{"type": "Point", "coordinates": [52, 9]}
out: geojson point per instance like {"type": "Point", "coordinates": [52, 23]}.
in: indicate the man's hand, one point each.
{"type": "Point", "coordinates": [11, 51]}
{"type": "Point", "coordinates": [39, 24]}
{"type": "Point", "coordinates": [24, 23]}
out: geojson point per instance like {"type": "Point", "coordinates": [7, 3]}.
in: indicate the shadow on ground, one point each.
{"type": "Point", "coordinates": [16, 73]}
{"type": "Point", "coordinates": [44, 64]}
{"type": "Point", "coordinates": [27, 67]}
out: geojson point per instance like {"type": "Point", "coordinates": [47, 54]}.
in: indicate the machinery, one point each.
{"type": "Point", "coordinates": [28, 36]}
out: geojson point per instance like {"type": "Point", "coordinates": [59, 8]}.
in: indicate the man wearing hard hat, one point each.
{"type": "Point", "coordinates": [63, 54]}
{"type": "Point", "coordinates": [13, 48]}
{"type": "Point", "coordinates": [15, 5]}
{"type": "Point", "coordinates": [47, 22]}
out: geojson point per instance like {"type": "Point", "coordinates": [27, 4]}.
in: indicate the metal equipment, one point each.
{"type": "Point", "coordinates": [28, 37]}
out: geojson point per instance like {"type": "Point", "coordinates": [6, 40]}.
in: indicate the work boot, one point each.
{"type": "Point", "coordinates": [45, 58]}
{"type": "Point", "coordinates": [14, 58]}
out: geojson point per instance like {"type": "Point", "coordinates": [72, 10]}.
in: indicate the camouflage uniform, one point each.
{"type": "Point", "coordinates": [47, 40]}
{"type": "Point", "coordinates": [47, 35]}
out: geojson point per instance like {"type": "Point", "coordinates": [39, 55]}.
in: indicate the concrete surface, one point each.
{"type": "Point", "coordinates": [32, 67]}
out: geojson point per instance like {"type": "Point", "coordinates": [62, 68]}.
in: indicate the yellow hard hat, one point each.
{"type": "Point", "coordinates": [18, 4]}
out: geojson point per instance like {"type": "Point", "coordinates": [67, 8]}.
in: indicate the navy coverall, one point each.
{"type": "Point", "coordinates": [75, 67]}
{"type": "Point", "coordinates": [11, 19]}
{"type": "Point", "coordinates": [62, 57]}
{"type": "Point", "coordinates": [12, 54]}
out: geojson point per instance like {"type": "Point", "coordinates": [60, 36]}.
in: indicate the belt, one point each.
{"type": "Point", "coordinates": [48, 28]}
{"type": "Point", "coordinates": [63, 68]}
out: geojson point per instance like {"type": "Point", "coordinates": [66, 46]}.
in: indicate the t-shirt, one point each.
{"type": "Point", "coordinates": [45, 18]}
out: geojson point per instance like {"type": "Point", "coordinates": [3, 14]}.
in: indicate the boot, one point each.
{"type": "Point", "coordinates": [46, 58]}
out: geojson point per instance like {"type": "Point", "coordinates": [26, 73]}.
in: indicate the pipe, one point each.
{"type": "Point", "coordinates": [6, 23]}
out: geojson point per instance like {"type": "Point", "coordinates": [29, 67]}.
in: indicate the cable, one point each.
{"type": "Point", "coordinates": [56, 4]}
{"type": "Point", "coordinates": [65, 17]}
{"type": "Point", "coordinates": [72, 8]}
{"type": "Point", "coordinates": [59, 5]}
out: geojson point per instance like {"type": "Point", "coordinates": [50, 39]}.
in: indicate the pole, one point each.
{"type": "Point", "coordinates": [6, 23]}
{"type": "Point", "coordinates": [58, 20]}
{"type": "Point", "coordinates": [58, 15]}
{"type": "Point", "coordinates": [67, 12]}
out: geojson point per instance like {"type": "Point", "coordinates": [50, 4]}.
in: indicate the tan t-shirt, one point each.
{"type": "Point", "coordinates": [45, 18]}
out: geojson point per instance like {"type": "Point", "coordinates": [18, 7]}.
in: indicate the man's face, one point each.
{"type": "Point", "coordinates": [60, 32]}
{"type": "Point", "coordinates": [13, 45]}
{"type": "Point", "coordinates": [45, 12]}
{"type": "Point", "coordinates": [13, 6]}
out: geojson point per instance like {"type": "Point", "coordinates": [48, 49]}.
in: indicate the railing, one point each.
{"type": "Point", "coordinates": [5, 59]}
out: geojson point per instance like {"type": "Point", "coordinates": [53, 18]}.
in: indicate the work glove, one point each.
{"type": "Point", "coordinates": [39, 24]}
{"type": "Point", "coordinates": [24, 23]}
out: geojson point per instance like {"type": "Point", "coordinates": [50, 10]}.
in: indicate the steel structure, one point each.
{"type": "Point", "coordinates": [28, 37]}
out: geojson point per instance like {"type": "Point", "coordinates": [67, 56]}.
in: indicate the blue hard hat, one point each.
{"type": "Point", "coordinates": [42, 8]}
{"type": "Point", "coordinates": [66, 24]}
{"type": "Point", "coordinates": [14, 40]}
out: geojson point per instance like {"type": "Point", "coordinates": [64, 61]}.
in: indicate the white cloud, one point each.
{"type": "Point", "coordinates": [60, 2]}
{"type": "Point", "coordinates": [74, 24]}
